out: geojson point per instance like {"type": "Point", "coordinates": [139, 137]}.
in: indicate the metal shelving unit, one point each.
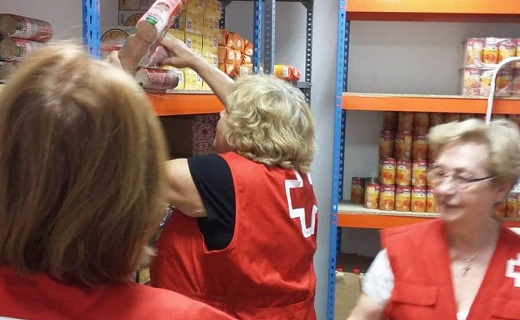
{"type": "Point", "coordinates": [344, 214]}
{"type": "Point", "coordinates": [167, 104]}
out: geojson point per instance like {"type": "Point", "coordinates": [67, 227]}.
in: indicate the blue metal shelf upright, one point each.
{"type": "Point", "coordinates": [338, 154]}
{"type": "Point", "coordinates": [264, 26]}
{"type": "Point", "coordinates": [91, 26]}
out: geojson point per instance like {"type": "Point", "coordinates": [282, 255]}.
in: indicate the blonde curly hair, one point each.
{"type": "Point", "coordinates": [269, 121]}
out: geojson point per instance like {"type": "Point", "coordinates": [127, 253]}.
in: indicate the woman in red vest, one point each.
{"type": "Point", "coordinates": [244, 233]}
{"type": "Point", "coordinates": [82, 189]}
{"type": "Point", "coordinates": [465, 265]}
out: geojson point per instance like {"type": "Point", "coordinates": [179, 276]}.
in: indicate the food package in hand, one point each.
{"type": "Point", "coordinates": [286, 72]}
{"type": "Point", "coordinates": [149, 30]}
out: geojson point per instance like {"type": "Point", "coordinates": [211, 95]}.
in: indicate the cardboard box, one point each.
{"type": "Point", "coordinates": [194, 23]}
{"type": "Point", "coordinates": [192, 80]}
{"type": "Point", "coordinates": [348, 289]}
{"type": "Point", "coordinates": [135, 4]}
{"type": "Point", "coordinates": [213, 9]}
{"type": "Point", "coordinates": [195, 6]}
{"type": "Point", "coordinates": [193, 41]}
{"type": "Point", "coordinates": [190, 135]}
{"type": "Point", "coordinates": [179, 34]}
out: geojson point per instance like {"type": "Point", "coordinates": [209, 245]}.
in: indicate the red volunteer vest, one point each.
{"type": "Point", "coordinates": [423, 289]}
{"type": "Point", "coordinates": [267, 270]}
{"type": "Point", "coordinates": [40, 297]}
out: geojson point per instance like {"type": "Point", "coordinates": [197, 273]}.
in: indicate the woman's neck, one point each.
{"type": "Point", "coordinates": [465, 239]}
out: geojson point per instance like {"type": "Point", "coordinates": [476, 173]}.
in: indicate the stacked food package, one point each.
{"type": "Point", "coordinates": [482, 55]}
{"type": "Point", "coordinates": [404, 159]}
{"type": "Point", "coordinates": [18, 37]}
{"type": "Point", "coordinates": [234, 54]}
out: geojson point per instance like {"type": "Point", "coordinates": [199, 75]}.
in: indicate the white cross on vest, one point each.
{"type": "Point", "coordinates": [512, 264]}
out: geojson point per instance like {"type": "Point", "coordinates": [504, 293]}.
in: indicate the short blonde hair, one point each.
{"type": "Point", "coordinates": [502, 138]}
{"type": "Point", "coordinates": [82, 176]}
{"type": "Point", "coordinates": [269, 121]}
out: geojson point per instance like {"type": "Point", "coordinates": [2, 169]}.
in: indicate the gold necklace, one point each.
{"type": "Point", "coordinates": [468, 263]}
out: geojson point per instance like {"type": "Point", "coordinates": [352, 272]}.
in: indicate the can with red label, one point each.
{"type": "Point", "coordinates": [386, 144]}
{"type": "Point", "coordinates": [357, 191]}
{"type": "Point", "coordinates": [402, 198]}
{"type": "Point", "coordinates": [500, 209]}
{"type": "Point", "coordinates": [371, 193]}
{"type": "Point", "coordinates": [431, 202]}
{"type": "Point", "coordinates": [418, 199]}
{"type": "Point", "coordinates": [386, 197]}
{"type": "Point", "coordinates": [419, 172]}
{"type": "Point", "coordinates": [420, 147]}
{"type": "Point", "coordinates": [403, 172]}
{"type": "Point", "coordinates": [405, 121]}
{"type": "Point", "coordinates": [451, 117]}
{"type": "Point", "coordinates": [403, 145]}
{"type": "Point", "coordinates": [421, 122]}
{"type": "Point", "coordinates": [387, 175]}
{"type": "Point", "coordinates": [512, 205]}
{"type": "Point", "coordinates": [436, 118]}
{"type": "Point", "coordinates": [389, 121]}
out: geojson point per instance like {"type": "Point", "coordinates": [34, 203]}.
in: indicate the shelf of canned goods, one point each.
{"type": "Point", "coordinates": [357, 215]}
{"type": "Point", "coordinates": [183, 103]}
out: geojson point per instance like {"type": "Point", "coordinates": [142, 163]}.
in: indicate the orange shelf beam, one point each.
{"type": "Point", "coordinates": [185, 103]}
{"type": "Point", "coordinates": [438, 10]}
{"type": "Point", "coordinates": [372, 221]}
{"type": "Point", "coordinates": [381, 221]}
{"type": "Point", "coordinates": [427, 103]}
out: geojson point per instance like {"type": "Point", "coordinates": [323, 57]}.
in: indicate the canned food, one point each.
{"type": "Point", "coordinates": [515, 118]}
{"type": "Point", "coordinates": [418, 199]}
{"type": "Point", "coordinates": [402, 198]}
{"type": "Point", "coordinates": [430, 166]}
{"type": "Point", "coordinates": [420, 147]}
{"type": "Point", "coordinates": [431, 202]}
{"type": "Point", "coordinates": [403, 172]}
{"type": "Point", "coordinates": [500, 209]}
{"type": "Point", "coordinates": [419, 170]}
{"type": "Point", "coordinates": [357, 191]}
{"type": "Point", "coordinates": [403, 145]}
{"type": "Point", "coordinates": [421, 122]}
{"type": "Point", "coordinates": [405, 121]}
{"type": "Point", "coordinates": [371, 193]}
{"type": "Point", "coordinates": [387, 175]}
{"type": "Point", "coordinates": [466, 116]}
{"type": "Point", "coordinates": [436, 118]}
{"type": "Point", "coordinates": [389, 120]}
{"type": "Point", "coordinates": [512, 205]}
{"type": "Point", "coordinates": [451, 117]}
{"type": "Point", "coordinates": [387, 197]}
{"type": "Point", "coordinates": [386, 144]}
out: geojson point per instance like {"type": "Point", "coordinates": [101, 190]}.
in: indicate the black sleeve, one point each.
{"type": "Point", "coordinates": [212, 177]}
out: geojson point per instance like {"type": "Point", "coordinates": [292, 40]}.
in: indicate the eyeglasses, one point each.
{"type": "Point", "coordinates": [437, 175]}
